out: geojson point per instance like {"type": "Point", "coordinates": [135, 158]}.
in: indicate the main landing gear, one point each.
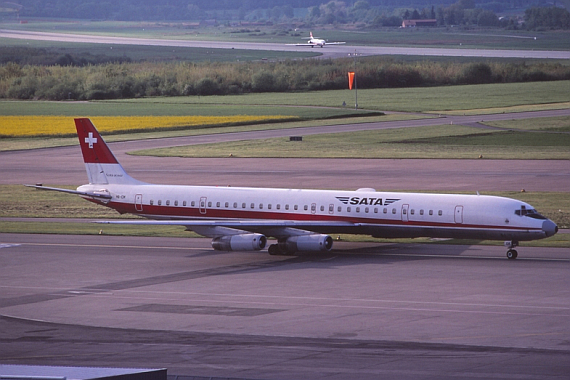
{"type": "Point", "coordinates": [512, 253]}
{"type": "Point", "coordinates": [276, 249]}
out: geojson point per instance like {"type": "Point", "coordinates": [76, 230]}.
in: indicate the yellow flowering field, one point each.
{"type": "Point", "coordinates": [28, 126]}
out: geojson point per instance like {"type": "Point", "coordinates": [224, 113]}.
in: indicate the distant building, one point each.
{"type": "Point", "coordinates": [418, 23]}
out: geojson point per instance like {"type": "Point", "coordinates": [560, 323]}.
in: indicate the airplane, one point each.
{"type": "Point", "coordinates": [241, 218]}
{"type": "Point", "coordinates": [313, 41]}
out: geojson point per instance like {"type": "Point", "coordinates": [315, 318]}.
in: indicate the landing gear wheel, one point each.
{"type": "Point", "coordinates": [274, 249]}
{"type": "Point", "coordinates": [512, 254]}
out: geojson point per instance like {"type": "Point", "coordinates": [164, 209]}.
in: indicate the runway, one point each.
{"type": "Point", "coordinates": [367, 311]}
{"type": "Point", "coordinates": [331, 51]}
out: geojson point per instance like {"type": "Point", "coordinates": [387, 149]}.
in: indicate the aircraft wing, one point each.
{"type": "Point", "coordinates": [275, 228]}
{"type": "Point", "coordinates": [335, 43]}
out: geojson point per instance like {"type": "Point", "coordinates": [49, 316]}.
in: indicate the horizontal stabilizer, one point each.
{"type": "Point", "coordinates": [87, 194]}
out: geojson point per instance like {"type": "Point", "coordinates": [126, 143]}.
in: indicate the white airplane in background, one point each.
{"type": "Point", "coordinates": [241, 218]}
{"type": "Point", "coordinates": [313, 41]}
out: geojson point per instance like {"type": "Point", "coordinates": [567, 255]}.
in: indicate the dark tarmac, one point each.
{"type": "Point", "coordinates": [366, 311]}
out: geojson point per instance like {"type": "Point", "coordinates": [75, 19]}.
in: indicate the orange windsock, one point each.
{"type": "Point", "coordinates": [350, 79]}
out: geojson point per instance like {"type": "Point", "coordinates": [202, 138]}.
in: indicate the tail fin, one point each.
{"type": "Point", "coordinates": [311, 34]}
{"type": "Point", "coordinates": [102, 166]}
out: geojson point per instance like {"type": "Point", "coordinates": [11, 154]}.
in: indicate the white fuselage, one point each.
{"type": "Point", "coordinates": [380, 214]}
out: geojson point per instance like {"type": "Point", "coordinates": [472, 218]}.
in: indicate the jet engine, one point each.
{"type": "Point", "coordinates": [243, 242]}
{"type": "Point", "coordinates": [313, 242]}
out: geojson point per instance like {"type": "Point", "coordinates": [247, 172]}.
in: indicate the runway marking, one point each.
{"type": "Point", "coordinates": [8, 245]}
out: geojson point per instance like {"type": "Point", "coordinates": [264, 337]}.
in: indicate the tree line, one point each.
{"type": "Point", "coordinates": [371, 13]}
{"type": "Point", "coordinates": [134, 80]}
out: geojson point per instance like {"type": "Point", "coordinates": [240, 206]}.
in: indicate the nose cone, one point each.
{"type": "Point", "coordinates": [549, 227]}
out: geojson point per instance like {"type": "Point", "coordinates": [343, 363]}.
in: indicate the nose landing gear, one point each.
{"type": "Point", "coordinates": [511, 252]}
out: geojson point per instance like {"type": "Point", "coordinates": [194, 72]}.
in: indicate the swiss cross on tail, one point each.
{"type": "Point", "coordinates": [93, 147]}
{"type": "Point", "coordinates": [90, 140]}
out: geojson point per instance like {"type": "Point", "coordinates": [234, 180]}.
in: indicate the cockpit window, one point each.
{"type": "Point", "coordinates": [529, 212]}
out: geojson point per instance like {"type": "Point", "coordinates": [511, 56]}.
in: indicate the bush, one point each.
{"type": "Point", "coordinates": [263, 81]}
{"type": "Point", "coordinates": [116, 81]}
{"type": "Point", "coordinates": [207, 86]}
{"type": "Point", "coordinates": [476, 73]}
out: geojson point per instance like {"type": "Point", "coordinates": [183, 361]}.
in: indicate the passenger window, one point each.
{"type": "Point", "coordinates": [366, 210]}
{"type": "Point", "coordinates": [227, 204]}
{"type": "Point", "coordinates": [339, 209]}
{"type": "Point", "coordinates": [431, 212]}
{"type": "Point", "coordinates": [376, 210]}
{"type": "Point", "coordinates": [252, 205]}
{"type": "Point", "coordinates": [393, 211]}
{"type": "Point", "coordinates": [261, 206]}
{"type": "Point", "coordinates": [269, 206]}
{"type": "Point", "coordinates": [322, 208]}
{"type": "Point", "coordinates": [209, 204]}
{"type": "Point", "coordinates": [286, 207]}
{"type": "Point", "coordinates": [235, 204]}
{"type": "Point", "coordinates": [151, 202]}
{"type": "Point", "coordinates": [184, 203]}
{"type": "Point", "coordinates": [159, 202]}
{"type": "Point", "coordinates": [331, 208]}
{"type": "Point", "coordinates": [421, 212]}
{"type": "Point", "coordinates": [296, 207]}
{"type": "Point", "coordinates": [440, 213]}
{"type": "Point", "coordinates": [412, 212]}
{"type": "Point", "coordinates": [243, 205]}
{"type": "Point", "coordinates": [385, 211]}
{"type": "Point", "coordinates": [278, 207]}
{"type": "Point", "coordinates": [306, 208]}
{"type": "Point", "coordinates": [358, 209]}
{"type": "Point", "coordinates": [168, 203]}
{"type": "Point", "coordinates": [193, 204]}
{"type": "Point", "coordinates": [175, 203]}
{"type": "Point", "coordinates": [217, 204]}
{"type": "Point", "coordinates": [348, 209]}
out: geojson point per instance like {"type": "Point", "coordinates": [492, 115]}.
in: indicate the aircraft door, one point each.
{"type": "Point", "coordinates": [405, 209]}
{"type": "Point", "coordinates": [138, 202]}
{"type": "Point", "coordinates": [459, 214]}
{"type": "Point", "coordinates": [203, 205]}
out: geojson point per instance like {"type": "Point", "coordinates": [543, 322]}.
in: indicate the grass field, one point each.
{"type": "Point", "coordinates": [320, 108]}
{"type": "Point", "coordinates": [486, 98]}
{"type": "Point", "coordinates": [494, 98]}
{"type": "Point", "coordinates": [438, 142]}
